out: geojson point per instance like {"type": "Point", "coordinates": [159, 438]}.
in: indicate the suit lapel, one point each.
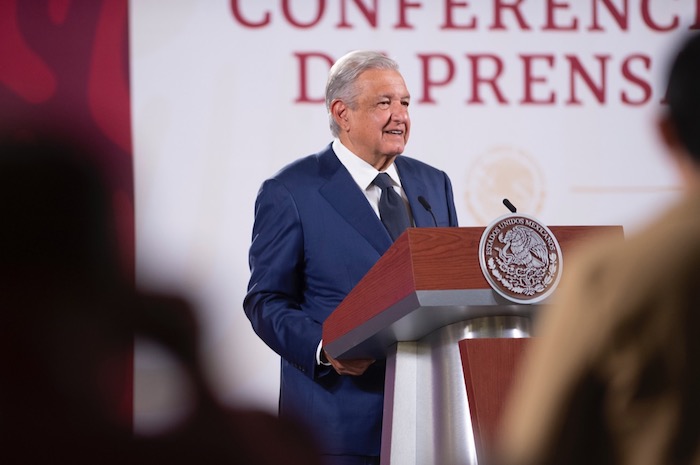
{"type": "Point", "coordinates": [343, 194]}
{"type": "Point", "coordinates": [414, 187]}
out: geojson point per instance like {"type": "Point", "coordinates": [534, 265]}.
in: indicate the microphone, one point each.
{"type": "Point", "coordinates": [510, 206]}
{"type": "Point", "coordinates": [427, 206]}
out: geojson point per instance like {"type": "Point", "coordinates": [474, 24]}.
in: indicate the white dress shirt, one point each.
{"type": "Point", "coordinates": [363, 173]}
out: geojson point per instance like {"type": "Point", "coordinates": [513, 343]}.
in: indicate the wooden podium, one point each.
{"type": "Point", "coordinates": [450, 342]}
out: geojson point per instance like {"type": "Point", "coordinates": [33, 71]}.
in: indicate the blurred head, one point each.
{"type": "Point", "coordinates": [681, 124]}
{"type": "Point", "coordinates": [55, 210]}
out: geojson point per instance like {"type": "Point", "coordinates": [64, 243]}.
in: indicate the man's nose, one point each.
{"type": "Point", "coordinates": [399, 113]}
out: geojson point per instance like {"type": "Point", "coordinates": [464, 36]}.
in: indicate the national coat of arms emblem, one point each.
{"type": "Point", "coordinates": [520, 258]}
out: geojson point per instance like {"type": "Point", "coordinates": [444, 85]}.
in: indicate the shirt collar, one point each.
{"type": "Point", "coordinates": [362, 172]}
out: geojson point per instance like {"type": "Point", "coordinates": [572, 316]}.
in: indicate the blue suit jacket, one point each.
{"type": "Point", "coordinates": [315, 236]}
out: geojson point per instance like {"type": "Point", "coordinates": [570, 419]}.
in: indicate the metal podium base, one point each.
{"type": "Point", "coordinates": [426, 411]}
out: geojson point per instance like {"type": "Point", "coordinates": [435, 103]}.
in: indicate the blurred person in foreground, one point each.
{"type": "Point", "coordinates": [68, 319]}
{"type": "Point", "coordinates": [613, 376]}
{"type": "Point", "coordinates": [320, 225]}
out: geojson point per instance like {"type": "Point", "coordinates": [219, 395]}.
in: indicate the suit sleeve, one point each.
{"type": "Point", "coordinates": [273, 303]}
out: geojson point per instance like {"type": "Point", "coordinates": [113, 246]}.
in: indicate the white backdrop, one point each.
{"type": "Point", "coordinates": [550, 104]}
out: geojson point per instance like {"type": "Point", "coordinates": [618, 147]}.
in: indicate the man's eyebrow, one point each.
{"type": "Point", "coordinates": [391, 96]}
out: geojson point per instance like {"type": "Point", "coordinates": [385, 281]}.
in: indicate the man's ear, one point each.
{"type": "Point", "coordinates": [668, 132]}
{"type": "Point", "coordinates": [339, 111]}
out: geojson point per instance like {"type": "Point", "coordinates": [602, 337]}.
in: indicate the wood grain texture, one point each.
{"type": "Point", "coordinates": [429, 259]}
{"type": "Point", "coordinates": [489, 365]}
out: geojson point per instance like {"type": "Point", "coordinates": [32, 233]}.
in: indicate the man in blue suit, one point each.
{"type": "Point", "coordinates": [318, 231]}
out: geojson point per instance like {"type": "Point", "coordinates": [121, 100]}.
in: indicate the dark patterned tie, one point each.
{"type": "Point", "coordinates": [392, 209]}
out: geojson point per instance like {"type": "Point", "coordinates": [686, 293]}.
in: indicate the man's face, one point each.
{"type": "Point", "coordinates": [379, 124]}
